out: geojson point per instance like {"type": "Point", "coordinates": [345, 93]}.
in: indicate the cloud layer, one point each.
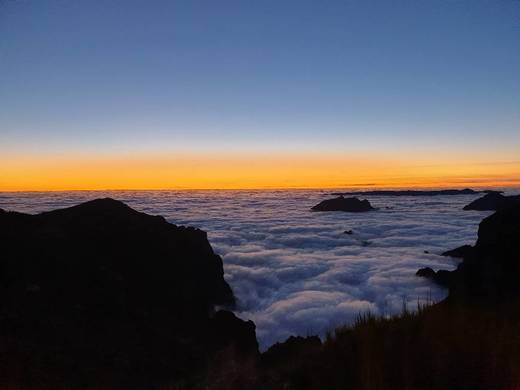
{"type": "Point", "coordinates": [295, 271]}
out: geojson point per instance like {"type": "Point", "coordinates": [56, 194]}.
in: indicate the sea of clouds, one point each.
{"type": "Point", "coordinates": [295, 272]}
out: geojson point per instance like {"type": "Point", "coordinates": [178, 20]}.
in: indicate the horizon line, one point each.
{"type": "Point", "coordinates": [274, 188]}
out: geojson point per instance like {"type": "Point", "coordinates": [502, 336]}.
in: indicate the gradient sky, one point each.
{"type": "Point", "coordinates": [231, 94]}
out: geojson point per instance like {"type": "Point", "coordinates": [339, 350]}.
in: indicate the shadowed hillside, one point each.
{"type": "Point", "coordinates": [102, 294]}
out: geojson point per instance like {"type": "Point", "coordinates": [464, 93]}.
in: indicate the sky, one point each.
{"type": "Point", "coordinates": [258, 94]}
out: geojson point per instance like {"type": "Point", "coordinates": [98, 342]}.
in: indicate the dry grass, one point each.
{"type": "Point", "coordinates": [438, 347]}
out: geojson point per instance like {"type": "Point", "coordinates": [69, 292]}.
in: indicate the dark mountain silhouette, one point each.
{"type": "Point", "coordinates": [101, 292]}
{"type": "Point", "coordinates": [493, 202]}
{"type": "Point", "coordinates": [343, 204]}
{"type": "Point", "coordinates": [466, 191]}
{"type": "Point", "coordinates": [489, 271]}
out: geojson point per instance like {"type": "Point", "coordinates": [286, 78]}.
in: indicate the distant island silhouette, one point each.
{"type": "Point", "coordinates": [493, 201]}
{"type": "Point", "coordinates": [466, 191]}
{"type": "Point", "coordinates": [343, 204]}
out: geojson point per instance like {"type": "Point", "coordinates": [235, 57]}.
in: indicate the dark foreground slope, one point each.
{"type": "Point", "coordinates": [468, 341]}
{"type": "Point", "coordinates": [102, 294]}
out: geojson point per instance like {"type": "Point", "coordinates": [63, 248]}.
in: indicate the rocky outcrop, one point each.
{"type": "Point", "coordinates": [460, 252]}
{"type": "Point", "coordinates": [295, 347]}
{"type": "Point", "coordinates": [465, 191]}
{"type": "Point", "coordinates": [100, 291]}
{"type": "Point", "coordinates": [426, 272]}
{"type": "Point", "coordinates": [492, 202]}
{"type": "Point", "coordinates": [489, 271]}
{"type": "Point", "coordinates": [492, 270]}
{"type": "Point", "coordinates": [343, 204]}
{"type": "Point", "coordinates": [440, 277]}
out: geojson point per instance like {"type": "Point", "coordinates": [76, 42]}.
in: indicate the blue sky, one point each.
{"type": "Point", "coordinates": [248, 75]}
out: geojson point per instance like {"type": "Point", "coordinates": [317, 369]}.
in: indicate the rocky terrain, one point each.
{"type": "Point", "coordinates": [489, 270]}
{"type": "Point", "coordinates": [459, 252]}
{"type": "Point", "coordinates": [102, 294]}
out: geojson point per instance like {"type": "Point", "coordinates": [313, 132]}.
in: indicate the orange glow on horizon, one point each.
{"type": "Point", "coordinates": [249, 171]}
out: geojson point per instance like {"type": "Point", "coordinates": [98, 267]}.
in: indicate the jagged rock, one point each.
{"type": "Point", "coordinates": [228, 330]}
{"type": "Point", "coordinates": [426, 272]}
{"type": "Point", "coordinates": [343, 204]}
{"type": "Point", "coordinates": [440, 277]}
{"type": "Point", "coordinates": [443, 278]}
{"type": "Point", "coordinates": [295, 347]}
{"type": "Point", "coordinates": [490, 270]}
{"type": "Point", "coordinates": [100, 290]}
{"type": "Point", "coordinates": [493, 201]}
{"type": "Point", "coordinates": [460, 252]}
